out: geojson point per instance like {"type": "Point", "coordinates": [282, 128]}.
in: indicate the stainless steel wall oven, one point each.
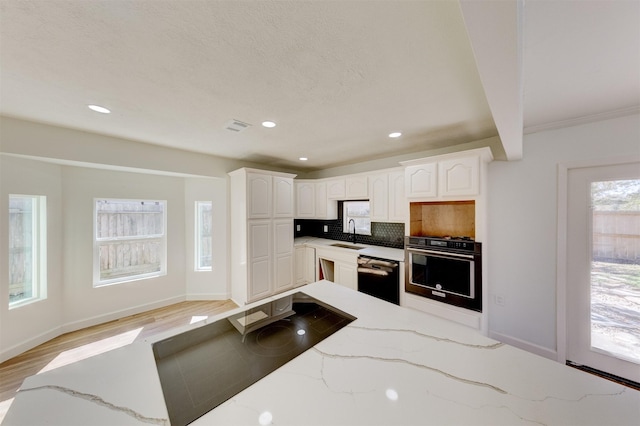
{"type": "Point", "coordinates": [448, 270]}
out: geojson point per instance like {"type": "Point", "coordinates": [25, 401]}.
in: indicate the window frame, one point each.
{"type": "Point", "coordinates": [97, 242]}
{"type": "Point", "coordinates": [346, 217]}
{"type": "Point", "coordinates": [198, 249]}
{"type": "Point", "coordinates": [38, 250]}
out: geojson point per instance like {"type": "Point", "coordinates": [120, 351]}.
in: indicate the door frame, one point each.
{"type": "Point", "coordinates": [561, 244]}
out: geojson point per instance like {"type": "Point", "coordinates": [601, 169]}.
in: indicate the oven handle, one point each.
{"type": "Point", "coordinates": [441, 254]}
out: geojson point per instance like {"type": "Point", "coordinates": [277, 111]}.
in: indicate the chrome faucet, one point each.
{"type": "Point", "coordinates": [354, 229]}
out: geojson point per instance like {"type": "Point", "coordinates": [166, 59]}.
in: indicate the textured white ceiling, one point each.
{"type": "Point", "coordinates": [582, 59]}
{"type": "Point", "coordinates": [337, 76]}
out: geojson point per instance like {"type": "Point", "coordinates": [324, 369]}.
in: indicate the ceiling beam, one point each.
{"type": "Point", "coordinates": [494, 28]}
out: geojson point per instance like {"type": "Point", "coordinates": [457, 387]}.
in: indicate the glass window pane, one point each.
{"type": "Point", "coordinates": [129, 218]}
{"type": "Point", "coordinates": [203, 235]}
{"type": "Point", "coordinates": [358, 211]}
{"type": "Point", "coordinates": [615, 268]}
{"type": "Point", "coordinates": [27, 233]}
{"type": "Point", "coordinates": [130, 240]}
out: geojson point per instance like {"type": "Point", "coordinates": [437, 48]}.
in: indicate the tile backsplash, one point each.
{"type": "Point", "coordinates": [385, 234]}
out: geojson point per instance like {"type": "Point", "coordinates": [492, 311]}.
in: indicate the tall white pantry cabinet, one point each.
{"type": "Point", "coordinates": [262, 255]}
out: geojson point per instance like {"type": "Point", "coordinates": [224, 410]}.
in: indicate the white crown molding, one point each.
{"type": "Point", "coordinates": [582, 120]}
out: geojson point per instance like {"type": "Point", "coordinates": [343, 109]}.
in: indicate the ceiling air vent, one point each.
{"type": "Point", "coordinates": [236, 125]}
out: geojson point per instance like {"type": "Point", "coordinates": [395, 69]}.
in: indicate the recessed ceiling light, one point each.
{"type": "Point", "coordinates": [268, 124]}
{"type": "Point", "coordinates": [303, 158]}
{"type": "Point", "coordinates": [98, 108]}
{"type": "Point", "coordinates": [392, 394]}
{"type": "Point", "coordinates": [395, 135]}
{"type": "Point", "coordinates": [265, 418]}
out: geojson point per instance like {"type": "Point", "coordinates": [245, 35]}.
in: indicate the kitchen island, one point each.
{"type": "Point", "coordinates": [390, 366]}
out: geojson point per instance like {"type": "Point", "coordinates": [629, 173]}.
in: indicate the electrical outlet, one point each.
{"type": "Point", "coordinates": [326, 228]}
{"type": "Point", "coordinates": [298, 227]}
{"type": "Point", "coordinates": [499, 299]}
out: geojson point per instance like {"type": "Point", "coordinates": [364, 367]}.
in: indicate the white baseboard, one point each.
{"type": "Point", "coordinates": [208, 296]}
{"type": "Point", "coordinates": [524, 345]}
{"type": "Point", "coordinates": [100, 319]}
{"type": "Point", "coordinates": [29, 344]}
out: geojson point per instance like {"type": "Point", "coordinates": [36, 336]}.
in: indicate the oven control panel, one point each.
{"type": "Point", "coordinates": [466, 245]}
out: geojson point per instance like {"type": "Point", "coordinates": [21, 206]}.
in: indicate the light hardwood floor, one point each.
{"type": "Point", "coordinates": [77, 345]}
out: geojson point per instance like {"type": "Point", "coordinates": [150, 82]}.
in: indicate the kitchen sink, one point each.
{"type": "Point", "coordinates": [347, 246]}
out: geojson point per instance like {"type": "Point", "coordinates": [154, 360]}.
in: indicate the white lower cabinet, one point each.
{"type": "Point", "coordinates": [346, 274]}
{"type": "Point", "coordinates": [305, 259]}
{"type": "Point", "coordinates": [337, 266]}
{"type": "Point", "coordinates": [271, 248]}
{"type": "Point", "coordinates": [259, 263]}
{"type": "Point", "coordinates": [283, 255]}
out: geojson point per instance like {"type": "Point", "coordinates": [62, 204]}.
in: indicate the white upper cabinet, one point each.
{"type": "Point", "coordinates": [398, 205]}
{"type": "Point", "coordinates": [379, 201]}
{"type": "Point", "coordinates": [448, 176]}
{"type": "Point", "coordinates": [259, 188]}
{"type": "Point", "coordinates": [305, 199]}
{"type": "Point", "coordinates": [356, 187]}
{"type": "Point", "coordinates": [325, 208]}
{"type": "Point", "coordinates": [421, 180]}
{"type": "Point", "coordinates": [312, 201]}
{"type": "Point", "coordinates": [386, 196]}
{"type": "Point", "coordinates": [459, 176]}
{"type": "Point", "coordinates": [282, 196]}
{"type": "Point", "coordinates": [336, 189]}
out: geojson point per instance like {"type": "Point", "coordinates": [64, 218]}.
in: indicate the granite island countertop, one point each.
{"type": "Point", "coordinates": [391, 366]}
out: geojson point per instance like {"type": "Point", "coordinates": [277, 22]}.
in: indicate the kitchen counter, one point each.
{"type": "Point", "coordinates": [367, 250]}
{"type": "Point", "coordinates": [390, 366]}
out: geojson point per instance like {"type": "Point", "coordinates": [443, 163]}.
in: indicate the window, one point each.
{"type": "Point", "coordinates": [27, 249]}
{"type": "Point", "coordinates": [203, 235]}
{"type": "Point", "coordinates": [359, 212]}
{"type": "Point", "coordinates": [130, 240]}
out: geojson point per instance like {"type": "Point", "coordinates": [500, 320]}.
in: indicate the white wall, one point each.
{"type": "Point", "coordinates": [205, 285]}
{"type": "Point", "coordinates": [522, 226]}
{"type": "Point", "coordinates": [72, 301]}
{"type": "Point", "coordinates": [72, 167]}
{"type": "Point", "coordinates": [35, 323]}
{"type": "Point", "coordinates": [84, 304]}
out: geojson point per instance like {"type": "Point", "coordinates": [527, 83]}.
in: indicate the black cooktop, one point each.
{"type": "Point", "coordinates": [203, 367]}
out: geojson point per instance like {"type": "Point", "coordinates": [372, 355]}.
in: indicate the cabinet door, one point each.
{"type": "Point", "coordinates": [336, 189]}
{"type": "Point", "coordinates": [305, 200]}
{"type": "Point", "coordinates": [356, 187]}
{"type": "Point", "coordinates": [259, 261]}
{"type": "Point", "coordinates": [283, 254]}
{"type": "Point", "coordinates": [379, 197]}
{"type": "Point", "coordinates": [459, 176]}
{"type": "Point", "coordinates": [309, 265]}
{"type": "Point", "coordinates": [300, 266]}
{"type": "Point", "coordinates": [346, 274]}
{"type": "Point", "coordinates": [282, 196]}
{"type": "Point", "coordinates": [325, 208]}
{"type": "Point", "coordinates": [398, 204]}
{"type": "Point", "coordinates": [421, 180]}
{"type": "Point", "coordinates": [259, 196]}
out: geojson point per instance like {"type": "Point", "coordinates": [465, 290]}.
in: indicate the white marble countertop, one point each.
{"type": "Point", "coordinates": [391, 366]}
{"type": "Point", "coordinates": [367, 250]}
